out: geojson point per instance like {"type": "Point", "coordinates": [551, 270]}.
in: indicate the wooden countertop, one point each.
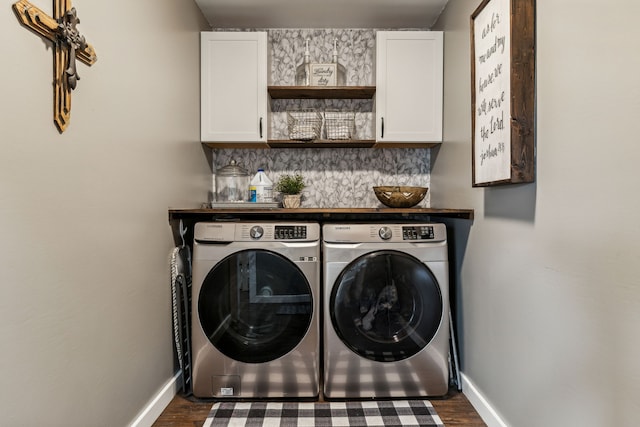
{"type": "Point", "coordinates": [319, 213]}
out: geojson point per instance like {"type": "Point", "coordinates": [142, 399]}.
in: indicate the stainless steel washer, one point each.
{"type": "Point", "coordinates": [255, 310]}
{"type": "Point", "coordinates": [386, 310]}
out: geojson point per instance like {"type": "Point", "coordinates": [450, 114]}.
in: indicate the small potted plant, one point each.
{"type": "Point", "coordinates": [290, 186]}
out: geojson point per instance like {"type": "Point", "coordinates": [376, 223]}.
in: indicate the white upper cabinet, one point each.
{"type": "Point", "coordinates": [233, 87]}
{"type": "Point", "coordinates": [409, 84]}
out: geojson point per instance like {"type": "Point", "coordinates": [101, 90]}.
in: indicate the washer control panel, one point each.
{"type": "Point", "coordinates": [422, 232]}
{"type": "Point", "coordinates": [219, 232]}
{"type": "Point", "coordinates": [290, 232]}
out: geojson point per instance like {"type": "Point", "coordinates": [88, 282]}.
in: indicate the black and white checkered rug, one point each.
{"type": "Point", "coordinates": [400, 413]}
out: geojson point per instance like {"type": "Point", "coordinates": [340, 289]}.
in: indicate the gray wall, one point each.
{"type": "Point", "coordinates": [548, 284]}
{"type": "Point", "coordinates": [548, 274]}
{"type": "Point", "coordinates": [85, 306]}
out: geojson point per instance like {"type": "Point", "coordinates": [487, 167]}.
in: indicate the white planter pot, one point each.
{"type": "Point", "coordinates": [291, 201]}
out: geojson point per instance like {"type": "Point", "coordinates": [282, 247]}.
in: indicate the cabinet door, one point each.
{"type": "Point", "coordinates": [233, 72]}
{"type": "Point", "coordinates": [409, 83]}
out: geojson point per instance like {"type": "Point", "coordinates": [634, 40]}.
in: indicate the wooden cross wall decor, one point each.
{"type": "Point", "coordinates": [68, 45]}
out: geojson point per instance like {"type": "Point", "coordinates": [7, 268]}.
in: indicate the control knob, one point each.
{"type": "Point", "coordinates": [256, 232]}
{"type": "Point", "coordinates": [385, 233]}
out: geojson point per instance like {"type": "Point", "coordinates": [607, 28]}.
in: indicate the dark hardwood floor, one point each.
{"type": "Point", "coordinates": [454, 410]}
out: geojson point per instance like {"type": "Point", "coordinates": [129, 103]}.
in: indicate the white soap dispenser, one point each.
{"type": "Point", "coordinates": [341, 72]}
{"type": "Point", "coordinates": [303, 71]}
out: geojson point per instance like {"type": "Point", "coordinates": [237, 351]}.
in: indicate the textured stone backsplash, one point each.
{"type": "Point", "coordinates": [335, 177]}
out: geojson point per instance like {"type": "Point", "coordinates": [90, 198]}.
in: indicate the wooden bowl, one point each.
{"type": "Point", "coordinates": [400, 196]}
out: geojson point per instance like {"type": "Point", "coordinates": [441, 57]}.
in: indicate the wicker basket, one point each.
{"type": "Point", "coordinates": [304, 125]}
{"type": "Point", "coordinates": [339, 124]}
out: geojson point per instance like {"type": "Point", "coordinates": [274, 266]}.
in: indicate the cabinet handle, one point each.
{"type": "Point", "coordinates": [260, 127]}
{"type": "Point", "coordinates": [382, 128]}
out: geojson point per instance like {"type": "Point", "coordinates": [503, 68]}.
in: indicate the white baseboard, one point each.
{"type": "Point", "coordinates": [160, 401]}
{"type": "Point", "coordinates": [477, 399]}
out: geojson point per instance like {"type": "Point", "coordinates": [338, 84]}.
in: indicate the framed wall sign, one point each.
{"type": "Point", "coordinates": [503, 92]}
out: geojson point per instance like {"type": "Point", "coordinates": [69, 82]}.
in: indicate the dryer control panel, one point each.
{"type": "Point", "coordinates": [389, 233]}
{"type": "Point", "coordinates": [423, 232]}
{"type": "Point", "coordinates": [290, 232]}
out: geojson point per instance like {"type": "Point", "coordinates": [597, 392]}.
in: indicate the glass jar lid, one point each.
{"type": "Point", "coordinates": [232, 169]}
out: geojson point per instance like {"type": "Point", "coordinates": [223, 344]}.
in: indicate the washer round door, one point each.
{"type": "Point", "coordinates": [386, 306]}
{"type": "Point", "coordinates": [255, 306]}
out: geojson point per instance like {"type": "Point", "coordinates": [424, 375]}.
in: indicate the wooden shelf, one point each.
{"type": "Point", "coordinates": [322, 143]}
{"type": "Point", "coordinates": [382, 214]}
{"type": "Point", "coordinates": [321, 92]}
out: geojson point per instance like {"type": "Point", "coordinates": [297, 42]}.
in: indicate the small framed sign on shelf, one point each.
{"type": "Point", "coordinates": [323, 74]}
{"type": "Point", "coordinates": [503, 92]}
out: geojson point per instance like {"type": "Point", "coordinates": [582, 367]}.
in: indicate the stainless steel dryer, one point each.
{"type": "Point", "coordinates": [255, 310]}
{"type": "Point", "coordinates": [386, 310]}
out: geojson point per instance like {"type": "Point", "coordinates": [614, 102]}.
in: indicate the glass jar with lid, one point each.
{"type": "Point", "coordinates": [232, 183]}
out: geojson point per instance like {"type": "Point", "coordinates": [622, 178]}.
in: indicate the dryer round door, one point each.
{"type": "Point", "coordinates": [386, 306]}
{"type": "Point", "coordinates": [255, 306]}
